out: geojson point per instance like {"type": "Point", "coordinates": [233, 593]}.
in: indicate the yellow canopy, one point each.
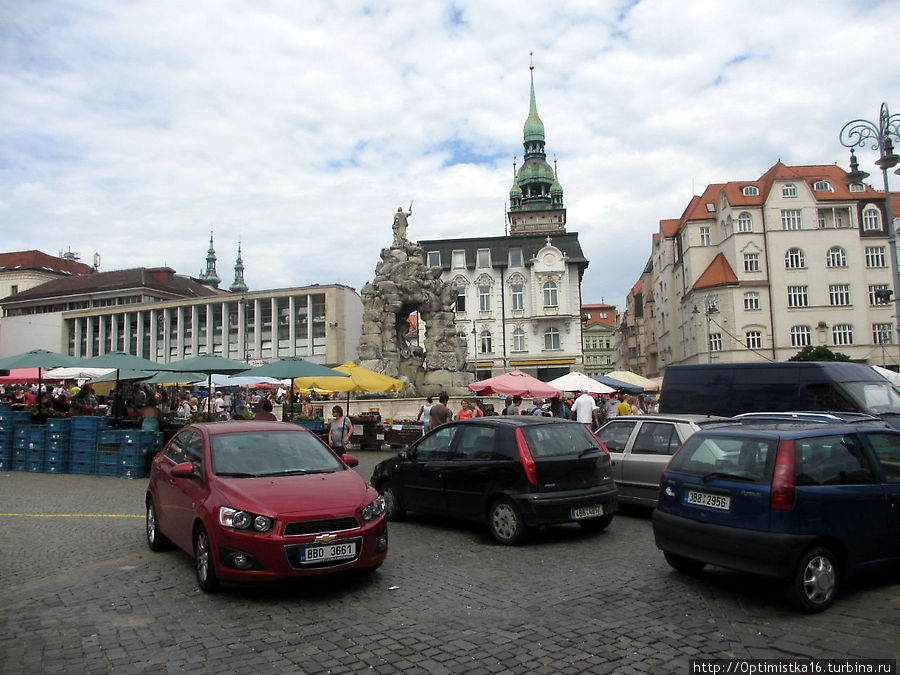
{"type": "Point", "coordinates": [361, 379]}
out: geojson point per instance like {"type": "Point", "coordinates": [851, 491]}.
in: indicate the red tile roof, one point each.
{"type": "Point", "coordinates": [717, 273]}
{"type": "Point", "coordinates": [42, 262]}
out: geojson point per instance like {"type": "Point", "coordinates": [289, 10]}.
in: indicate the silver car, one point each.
{"type": "Point", "coordinates": [640, 446]}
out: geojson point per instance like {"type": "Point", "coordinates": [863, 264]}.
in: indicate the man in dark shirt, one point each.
{"type": "Point", "coordinates": [440, 413]}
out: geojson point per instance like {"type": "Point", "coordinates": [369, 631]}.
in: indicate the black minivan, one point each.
{"type": "Point", "coordinates": [728, 389]}
{"type": "Point", "coordinates": [513, 473]}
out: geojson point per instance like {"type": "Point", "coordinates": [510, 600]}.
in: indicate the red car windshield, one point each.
{"type": "Point", "coordinates": [251, 454]}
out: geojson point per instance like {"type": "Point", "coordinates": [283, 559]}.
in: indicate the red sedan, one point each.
{"type": "Point", "coordinates": [259, 501]}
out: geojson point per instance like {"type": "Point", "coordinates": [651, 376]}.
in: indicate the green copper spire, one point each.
{"type": "Point", "coordinates": [238, 286]}
{"type": "Point", "coordinates": [209, 277]}
{"type": "Point", "coordinates": [534, 128]}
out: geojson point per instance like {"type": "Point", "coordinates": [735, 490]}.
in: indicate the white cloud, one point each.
{"type": "Point", "coordinates": [132, 128]}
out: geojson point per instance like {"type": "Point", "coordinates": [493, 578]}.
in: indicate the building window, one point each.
{"type": "Point", "coordinates": [751, 300]}
{"type": "Point", "coordinates": [518, 340]}
{"type": "Point", "coordinates": [434, 258]}
{"type": "Point", "coordinates": [820, 220]}
{"type": "Point", "coordinates": [753, 339]}
{"type": "Point", "coordinates": [871, 219]}
{"type": "Point", "coordinates": [551, 338]}
{"type": "Point", "coordinates": [842, 334]}
{"type": "Point", "coordinates": [789, 190]}
{"type": "Point", "coordinates": [518, 297]}
{"type": "Point", "coordinates": [484, 298]}
{"type": "Point", "coordinates": [715, 342]}
{"type": "Point", "coordinates": [822, 186]}
{"type": "Point", "coordinates": [801, 336]}
{"type": "Point", "coordinates": [857, 187]}
{"type": "Point", "coordinates": [836, 257]}
{"type": "Point", "coordinates": [751, 262]}
{"type": "Point", "coordinates": [794, 259]}
{"type": "Point", "coordinates": [603, 315]}
{"type": "Point", "coordinates": [790, 219]}
{"type": "Point", "coordinates": [882, 333]}
{"type": "Point", "coordinates": [459, 260]}
{"type": "Point", "coordinates": [515, 257]}
{"type": "Point", "coordinates": [486, 342]}
{"type": "Point", "coordinates": [750, 191]}
{"type": "Point", "coordinates": [460, 299]}
{"type": "Point", "coordinates": [875, 256]}
{"type": "Point", "coordinates": [877, 294]}
{"type": "Point", "coordinates": [484, 257]}
{"type": "Point", "coordinates": [704, 236]}
{"type": "Point", "coordinates": [13, 289]}
{"type": "Point", "coordinates": [839, 295]}
{"type": "Point", "coordinates": [798, 296]}
{"type": "Point", "coordinates": [745, 222]}
{"type": "Point", "coordinates": [550, 299]}
{"type": "Point", "coordinates": [838, 219]}
{"type": "Point", "coordinates": [710, 207]}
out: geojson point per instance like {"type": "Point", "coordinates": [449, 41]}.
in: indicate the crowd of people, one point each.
{"type": "Point", "coordinates": [584, 407]}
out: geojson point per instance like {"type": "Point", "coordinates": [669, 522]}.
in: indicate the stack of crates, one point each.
{"type": "Point", "coordinates": [108, 450]}
{"type": "Point", "coordinates": [126, 453]}
{"type": "Point", "coordinates": [10, 421]}
{"type": "Point", "coordinates": [28, 454]}
{"type": "Point", "coordinates": [57, 445]}
{"type": "Point", "coordinates": [83, 447]}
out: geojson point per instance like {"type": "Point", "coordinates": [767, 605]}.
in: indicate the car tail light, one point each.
{"type": "Point", "coordinates": [784, 486]}
{"type": "Point", "coordinates": [525, 456]}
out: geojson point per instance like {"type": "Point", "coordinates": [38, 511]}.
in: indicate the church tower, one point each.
{"type": "Point", "coordinates": [536, 197]}
{"type": "Point", "coordinates": [209, 277]}
{"type": "Point", "coordinates": [238, 286]}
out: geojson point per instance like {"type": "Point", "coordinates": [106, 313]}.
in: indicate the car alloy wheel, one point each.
{"type": "Point", "coordinates": [815, 583]}
{"type": "Point", "coordinates": [156, 540]}
{"type": "Point", "coordinates": [506, 523]}
{"type": "Point", "coordinates": [204, 564]}
{"type": "Point", "coordinates": [392, 509]}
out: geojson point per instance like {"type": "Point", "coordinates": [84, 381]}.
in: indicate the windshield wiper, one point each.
{"type": "Point", "coordinates": [236, 474]}
{"type": "Point", "coordinates": [723, 474]}
{"type": "Point", "coordinates": [289, 472]}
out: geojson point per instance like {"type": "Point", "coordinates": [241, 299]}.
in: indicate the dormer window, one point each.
{"type": "Point", "coordinates": [750, 191]}
{"type": "Point", "coordinates": [822, 186]}
{"type": "Point", "coordinates": [857, 187]}
{"type": "Point", "coordinates": [789, 190]}
{"type": "Point", "coordinates": [710, 207]}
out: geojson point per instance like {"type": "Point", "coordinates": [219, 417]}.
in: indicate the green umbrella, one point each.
{"type": "Point", "coordinates": [291, 367]}
{"type": "Point", "coordinates": [208, 364]}
{"type": "Point", "coordinates": [121, 361]}
{"type": "Point", "coordinates": [38, 358]}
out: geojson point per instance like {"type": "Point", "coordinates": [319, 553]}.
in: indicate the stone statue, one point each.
{"type": "Point", "coordinates": [400, 224]}
{"type": "Point", "coordinates": [404, 284]}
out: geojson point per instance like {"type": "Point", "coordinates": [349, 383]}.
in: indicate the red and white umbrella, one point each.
{"type": "Point", "coordinates": [516, 382]}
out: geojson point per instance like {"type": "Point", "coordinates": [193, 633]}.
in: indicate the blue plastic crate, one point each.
{"type": "Point", "coordinates": [35, 465]}
{"type": "Point", "coordinates": [106, 468]}
{"type": "Point", "coordinates": [92, 423]}
{"type": "Point", "coordinates": [81, 467]}
{"type": "Point", "coordinates": [60, 446]}
{"type": "Point", "coordinates": [16, 417]}
{"type": "Point", "coordinates": [56, 467]}
{"type": "Point", "coordinates": [151, 440]}
{"type": "Point", "coordinates": [82, 445]}
{"type": "Point", "coordinates": [60, 424]}
{"type": "Point", "coordinates": [20, 462]}
{"type": "Point", "coordinates": [56, 455]}
{"type": "Point", "coordinates": [5, 460]}
{"type": "Point", "coordinates": [112, 436]}
{"type": "Point", "coordinates": [126, 471]}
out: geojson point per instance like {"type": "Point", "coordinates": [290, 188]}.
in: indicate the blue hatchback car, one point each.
{"type": "Point", "coordinates": [805, 504]}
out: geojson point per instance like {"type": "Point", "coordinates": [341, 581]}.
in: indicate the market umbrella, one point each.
{"type": "Point", "coordinates": [516, 382]}
{"type": "Point", "coordinates": [635, 379]}
{"type": "Point", "coordinates": [578, 381]}
{"type": "Point", "coordinates": [291, 367]}
{"type": "Point", "coordinates": [208, 364]}
{"type": "Point", "coordinates": [121, 361]}
{"type": "Point", "coordinates": [38, 358]}
{"type": "Point", "coordinates": [26, 376]}
{"type": "Point", "coordinates": [360, 379]}
{"type": "Point", "coordinates": [78, 372]}
{"type": "Point", "coordinates": [618, 385]}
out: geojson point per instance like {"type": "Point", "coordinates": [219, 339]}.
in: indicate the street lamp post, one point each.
{"type": "Point", "coordinates": [474, 351]}
{"type": "Point", "coordinates": [858, 133]}
{"type": "Point", "coordinates": [712, 307]}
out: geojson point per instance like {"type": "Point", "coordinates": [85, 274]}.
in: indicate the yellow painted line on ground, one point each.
{"type": "Point", "coordinates": [72, 515]}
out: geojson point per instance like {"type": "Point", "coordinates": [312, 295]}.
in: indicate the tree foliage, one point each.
{"type": "Point", "coordinates": [820, 353]}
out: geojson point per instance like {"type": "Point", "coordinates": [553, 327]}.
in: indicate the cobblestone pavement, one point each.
{"type": "Point", "coordinates": [83, 594]}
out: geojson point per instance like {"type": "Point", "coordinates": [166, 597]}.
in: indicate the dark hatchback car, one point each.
{"type": "Point", "coordinates": [261, 501]}
{"type": "Point", "coordinates": [807, 505]}
{"type": "Point", "coordinates": [513, 473]}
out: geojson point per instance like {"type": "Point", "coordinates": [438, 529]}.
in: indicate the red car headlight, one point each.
{"type": "Point", "coordinates": [243, 520]}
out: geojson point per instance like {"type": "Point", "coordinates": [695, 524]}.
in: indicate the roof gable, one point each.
{"type": "Point", "coordinates": [717, 273]}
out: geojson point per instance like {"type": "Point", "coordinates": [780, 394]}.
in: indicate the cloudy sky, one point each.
{"type": "Point", "coordinates": [131, 128]}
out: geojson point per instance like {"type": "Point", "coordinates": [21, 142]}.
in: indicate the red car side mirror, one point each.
{"type": "Point", "coordinates": [185, 470]}
{"type": "Point", "coordinates": [350, 460]}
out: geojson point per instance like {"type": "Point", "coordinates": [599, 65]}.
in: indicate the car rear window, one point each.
{"type": "Point", "coordinates": [742, 457]}
{"type": "Point", "coordinates": [832, 460]}
{"type": "Point", "coordinates": [559, 439]}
